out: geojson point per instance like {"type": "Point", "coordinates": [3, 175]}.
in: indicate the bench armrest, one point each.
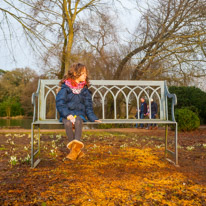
{"type": "Point", "coordinates": [33, 101]}
{"type": "Point", "coordinates": [174, 101]}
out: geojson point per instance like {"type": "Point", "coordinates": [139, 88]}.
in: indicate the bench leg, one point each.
{"type": "Point", "coordinates": [32, 145]}
{"type": "Point", "coordinates": [167, 151]}
{"type": "Point", "coordinates": [166, 135]}
{"type": "Point", "coordinates": [176, 144]}
{"type": "Point", "coordinates": [33, 154]}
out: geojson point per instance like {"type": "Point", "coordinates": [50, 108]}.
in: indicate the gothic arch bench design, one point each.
{"type": "Point", "coordinates": [115, 101]}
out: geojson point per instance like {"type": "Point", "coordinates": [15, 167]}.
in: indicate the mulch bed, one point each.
{"type": "Point", "coordinates": [121, 167]}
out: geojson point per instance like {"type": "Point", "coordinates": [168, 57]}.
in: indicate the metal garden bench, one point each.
{"type": "Point", "coordinates": [125, 98]}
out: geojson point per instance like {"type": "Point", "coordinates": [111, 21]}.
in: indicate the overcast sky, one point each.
{"type": "Point", "coordinates": [17, 54]}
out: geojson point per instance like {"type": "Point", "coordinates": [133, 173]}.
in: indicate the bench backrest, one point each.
{"type": "Point", "coordinates": [109, 96]}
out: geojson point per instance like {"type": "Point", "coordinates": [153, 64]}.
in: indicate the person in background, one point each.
{"type": "Point", "coordinates": [142, 111]}
{"type": "Point", "coordinates": [147, 115]}
{"type": "Point", "coordinates": [153, 113]}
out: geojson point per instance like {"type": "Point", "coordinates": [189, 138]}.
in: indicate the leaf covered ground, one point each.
{"type": "Point", "coordinates": [122, 167]}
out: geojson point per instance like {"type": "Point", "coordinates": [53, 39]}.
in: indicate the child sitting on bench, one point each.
{"type": "Point", "coordinates": [74, 104]}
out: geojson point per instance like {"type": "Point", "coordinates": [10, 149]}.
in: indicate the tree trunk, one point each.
{"type": "Point", "coordinates": [68, 50]}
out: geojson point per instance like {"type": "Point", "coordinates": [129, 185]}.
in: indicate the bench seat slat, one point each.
{"type": "Point", "coordinates": [114, 121]}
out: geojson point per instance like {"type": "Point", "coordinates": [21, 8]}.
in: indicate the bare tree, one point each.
{"type": "Point", "coordinates": [101, 44]}
{"type": "Point", "coordinates": [170, 41]}
{"type": "Point", "coordinates": [52, 22]}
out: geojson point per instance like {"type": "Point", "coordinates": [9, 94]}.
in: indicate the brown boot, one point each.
{"type": "Point", "coordinates": [81, 154]}
{"type": "Point", "coordinates": [75, 147]}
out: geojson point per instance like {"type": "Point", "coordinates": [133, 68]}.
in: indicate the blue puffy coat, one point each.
{"type": "Point", "coordinates": [75, 104]}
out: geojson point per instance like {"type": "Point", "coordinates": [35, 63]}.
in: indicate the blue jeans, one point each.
{"type": "Point", "coordinates": [141, 117]}
{"type": "Point", "coordinates": [153, 116]}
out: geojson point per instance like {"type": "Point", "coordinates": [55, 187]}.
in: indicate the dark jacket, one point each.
{"type": "Point", "coordinates": [143, 108]}
{"type": "Point", "coordinates": [75, 104]}
{"type": "Point", "coordinates": [154, 107]}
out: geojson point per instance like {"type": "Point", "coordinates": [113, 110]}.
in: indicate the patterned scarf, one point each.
{"type": "Point", "coordinates": [74, 86]}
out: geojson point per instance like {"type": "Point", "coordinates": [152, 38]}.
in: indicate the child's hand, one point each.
{"type": "Point", "coordinates": [72, 118]}
{"type": "Point", "coordinates": [98, 120]}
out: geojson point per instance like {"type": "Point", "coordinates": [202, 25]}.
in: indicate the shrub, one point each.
{"type": "Point", "coordinates": [187, 119]}
{"type": "Point", "coordinates": [191, 97]}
